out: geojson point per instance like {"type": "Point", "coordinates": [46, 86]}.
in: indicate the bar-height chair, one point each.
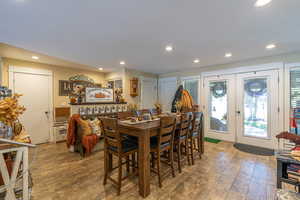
{"type": "Point", "coordinates": [164, 142]}
{"type": "Point", "coordinates": [196, 134]}
{"type": "Point", "coordinates": [116, 145]}
{"type": "Point", "coordinates": [125, 115]}
{"type": "Point", "coordinates": [181, 138]}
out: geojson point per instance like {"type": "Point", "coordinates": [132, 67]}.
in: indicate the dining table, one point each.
{"type": "Point", "coordinates": [143, 131]}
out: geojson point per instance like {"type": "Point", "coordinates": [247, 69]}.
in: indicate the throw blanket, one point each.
{"type": "Point", "coordinates": [71, 136]}
{"type": "Point", "coordinates": [88, 141]}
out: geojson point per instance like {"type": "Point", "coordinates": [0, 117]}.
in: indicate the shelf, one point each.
{"type": "Point", "coordinates": [99, 103]}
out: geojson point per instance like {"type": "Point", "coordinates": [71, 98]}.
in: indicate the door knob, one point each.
{"type": "Point", "coordinates": [238, 112]}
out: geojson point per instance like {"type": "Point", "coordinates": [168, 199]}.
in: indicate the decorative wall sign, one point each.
{"type": "Point", "coordinates": [68, 87]}
{"type": "Point", "coordinates": [95, 95]}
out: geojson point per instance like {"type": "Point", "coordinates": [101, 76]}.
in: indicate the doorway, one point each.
{"type": "Point", "coordinates": [148, 92]}
{"type": "Point", "coordinates": [36, 88]}
{"type": "Point", "coordinates": [243, 107]}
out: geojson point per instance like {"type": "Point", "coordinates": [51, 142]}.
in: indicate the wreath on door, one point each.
{"type": "Point", "coordinates": [256, 87]}
{"type": "Point", "coordinates": [219, 89]}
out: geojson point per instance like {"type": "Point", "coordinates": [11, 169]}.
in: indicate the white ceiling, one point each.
{"type": "Point", "coordinates": [101, 33]}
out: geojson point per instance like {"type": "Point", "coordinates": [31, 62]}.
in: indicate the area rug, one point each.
{"type": "Point", "coordinates": [212, 140]}
{"type": "Point", "coordinates": [254, 150]}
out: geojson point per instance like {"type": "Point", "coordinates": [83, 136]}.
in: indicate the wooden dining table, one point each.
{"type": "Point", "coordinates": [143, 131]}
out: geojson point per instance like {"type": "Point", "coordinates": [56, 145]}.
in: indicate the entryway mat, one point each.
{"type": "Point", "coordinates": [254, 150]}
{"type": "Point", "coordinates": [212, 140]}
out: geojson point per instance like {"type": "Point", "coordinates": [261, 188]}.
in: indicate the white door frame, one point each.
{"type": "Point", "coordinates": [260, 67]}
{"type": "Point", "coordinates": [142, 78]}
{"type": "Point", "coordinates": [273, 112]}
{"type": "Point", "coordinates": [28, 70]}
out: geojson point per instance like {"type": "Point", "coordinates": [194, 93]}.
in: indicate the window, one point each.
{"type": "Point", "coordinates": [295, 100]}
{"type": "Point", "coordinates": [192, 85]}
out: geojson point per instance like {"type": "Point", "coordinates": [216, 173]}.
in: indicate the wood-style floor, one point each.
{"type": "Point", "coordinates": [223, 173]}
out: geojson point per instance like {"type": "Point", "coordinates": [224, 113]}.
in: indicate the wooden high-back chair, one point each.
{"type": "Point", "coordinates": [124, 115]}
{"type": "Point", "coordinates": [164, 142]}
{"type": "Point", "coordinates": [115, 145]}
{"type": "Point", "coordinates": [181, 139]}
{"type": "Point", "coordinates": [196, 135]}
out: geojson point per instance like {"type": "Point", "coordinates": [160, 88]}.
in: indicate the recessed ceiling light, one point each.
{"type": "Point", "coordinates": [270, 46]}
{"type": "Point", "coordinates": [228, 55]}
{"type": "Point", "coordinates": [122, 63]}
{"type": "Point", "coordinates": [169, 48]}
{"type": "Point", "coordinates": [35, 57]}
{"type": "Point", "coordinates": [196, 61]}
{"type": "Point", "coordinates": [261, 3]}
{"type": "Point", "coordinates": [100, 68]}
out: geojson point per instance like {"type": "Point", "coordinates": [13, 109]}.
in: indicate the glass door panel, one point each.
{"type": "Point", "coordinates": [218, 106]}
{"type": "Point", "coordinates": [256, 107]}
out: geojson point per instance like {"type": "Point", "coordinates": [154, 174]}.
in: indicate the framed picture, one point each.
{"type": "Point", "coordinates": [97, 95]}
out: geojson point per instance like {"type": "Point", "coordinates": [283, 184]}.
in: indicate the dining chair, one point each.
{"type": "Point", "coordinates": [196, 135]}
{"type": "Point", "coordinates": [164, 142]}
{"type": "Point", "coordinates": [153, 112]}
{"type": "Point", "coordinates": [181, 138]}
{"type": "Point", "coordinates": [139, 113]}
{"type": "Point", "coordinates": [116, 145]}
{"type": "Point", "coordinates": [124, 115]}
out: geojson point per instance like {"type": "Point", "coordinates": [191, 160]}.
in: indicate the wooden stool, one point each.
{"type": "Point", "coordinates": [164, 142]}
{"type": "Point", "coordinates": [181, 138]}
{"type": "Point", "coordinates": [196, 135]}
{"type": "Point", "coordinates": [116, 145]}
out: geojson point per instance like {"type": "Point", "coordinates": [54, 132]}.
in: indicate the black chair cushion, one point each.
{"type": "Point", "coordinates": [131, 138]}
{"type": "Point", "coordinates": [154, 143]}
{"type": "Point", "coordinates": [127, 145]}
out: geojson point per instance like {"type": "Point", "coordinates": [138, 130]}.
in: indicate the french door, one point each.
{"type": "Point", "coordinates": [220, 107]}
{"type": "Point", "coordinates": [243, 107]}
{"type": "Point", "coordinates": [257, 108]}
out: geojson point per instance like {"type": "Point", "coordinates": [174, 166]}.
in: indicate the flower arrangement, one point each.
{"type": "Point", "coordinates": [10, 110]}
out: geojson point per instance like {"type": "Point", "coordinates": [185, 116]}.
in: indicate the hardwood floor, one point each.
{"type": "Point", "coordinates": [223, 173]}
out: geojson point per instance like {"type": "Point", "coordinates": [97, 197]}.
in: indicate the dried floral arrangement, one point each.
{"type": "Point", "coordinates": [10, 110]}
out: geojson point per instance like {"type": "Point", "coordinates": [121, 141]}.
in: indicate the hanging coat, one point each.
{"type": "Point", "coordinates": [177, 97]}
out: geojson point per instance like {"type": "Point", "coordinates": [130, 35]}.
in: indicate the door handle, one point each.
{"type": "Point", "coordinates": [238, 112]}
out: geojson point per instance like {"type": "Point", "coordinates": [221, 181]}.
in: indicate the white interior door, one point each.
{"type": "Point", "coordinates": [36, 99]}
{"type": "Point", "coordinates": [219, 107]}
{"type": "Point", "coordinates": [148, 93]}
{"type": "Point", "coordinates": [257, 108]}
{"type": "Point", "coordinates": [167, 89]}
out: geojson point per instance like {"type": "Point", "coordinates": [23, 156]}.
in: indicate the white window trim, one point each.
{"type": "Point", "coordinates": [287, 106]}
{"type": "Point", "coordinates": [198, 77]}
